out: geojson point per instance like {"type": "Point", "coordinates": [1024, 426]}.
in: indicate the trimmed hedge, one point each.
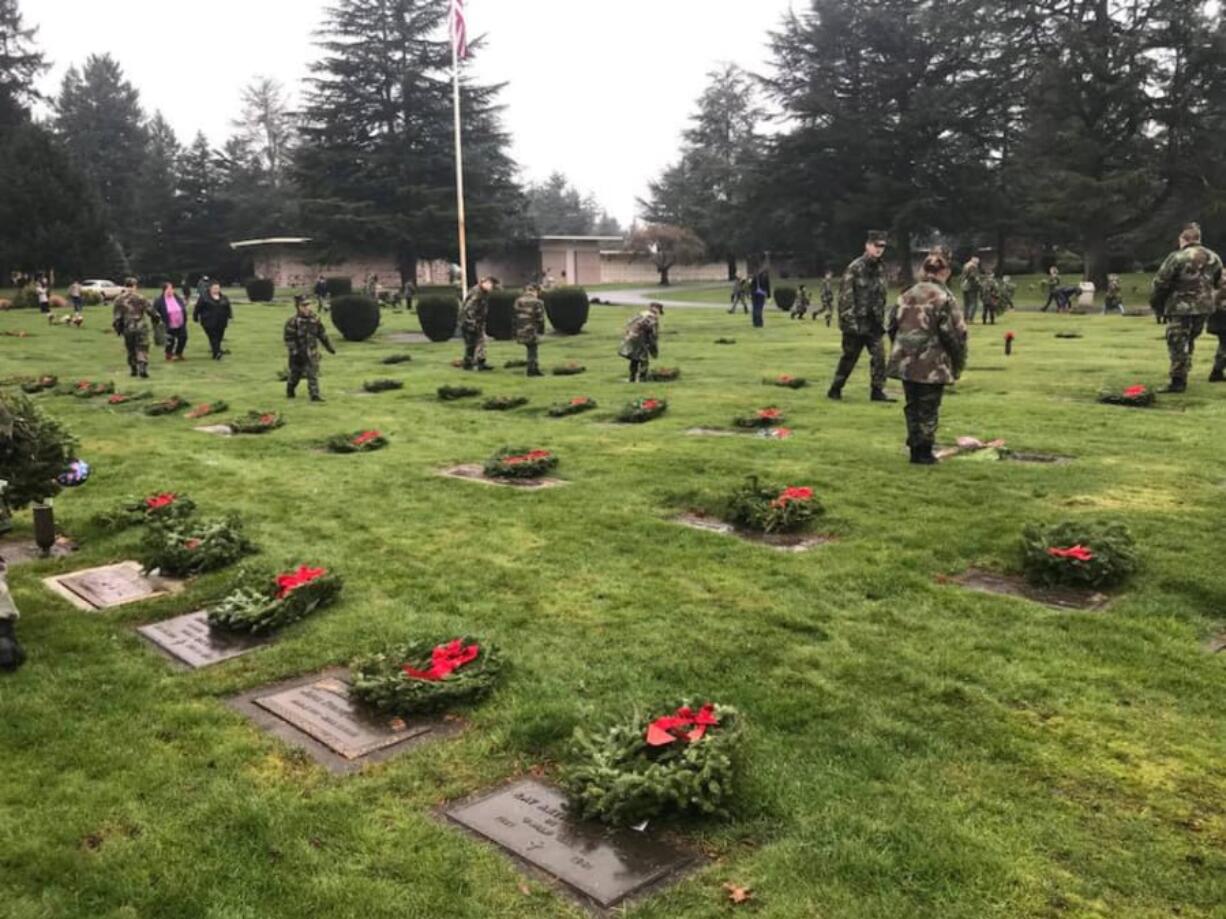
{"type": "Point", "coordinates": [339, 287]}
{"type": "Point", "coordinates": [260, 290]}
{"type": "Point", "coordinates": [567, 309]}
{"type": "Point", "coordinates": [356, 317]}
{"type": "Point", "coordinates": [439, 315]}
{"type": "Point", "coordinates": [500, 323]}
{"type": "Point", "coordinates": [785, 297]}
{"type": "Point", "coordinates": [26, 298]}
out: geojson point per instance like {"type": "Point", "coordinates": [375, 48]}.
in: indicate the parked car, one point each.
{"type": "Point", "coordinates": [108, 290]}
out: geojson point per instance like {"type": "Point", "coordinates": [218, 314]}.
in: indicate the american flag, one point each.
{"type": "Point", "coordinates": [459, 30]}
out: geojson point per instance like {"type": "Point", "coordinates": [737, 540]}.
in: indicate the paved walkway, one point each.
{"type": "Point", "coordinates": [669, 296]}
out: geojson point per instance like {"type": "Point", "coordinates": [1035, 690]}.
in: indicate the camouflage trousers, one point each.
{"type": "Point", "coordinates": [1219, 359]}
{"type": "Point", "coordinates": [853, 344]}
{"type": "Point", "coordinates": [971, 307]}
{"type": "Point", "coordinates": [923, 412]}
{"type": "Point", "coordinates": [474, 347]}
{"type": "Point", "coordinates": [1181, 335]}
{"type": "Point", "coordinates": [532, 353]}
{"type": "Point", "coordinates": [990, 312]}
{"type": "Point", "coordinates": [137, 345]}
{"type": "Point", "coordinates": [8, 609]}
{"type": "Point", "coordinates": [303, 365]}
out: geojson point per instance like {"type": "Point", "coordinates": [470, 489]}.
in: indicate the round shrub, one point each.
{"type": "Point", "coordinates": [785, 297]}
{"type": "Point", "coordinates": [500, 323]}
{"type": "Point", "coordinates": [91, 298]}
{"type": "Point", "coordinates": [428, 290]}
{"type": "Point", "coordinates": [356, 317]}
{"type": "Point", "coordinates": [339, 287]}
{"type": "Point", "coordinates": [439, 314]}
{"type": "Point", "coordinates": [567, 309]}
{"type": "Point", "coordinates": [26, 298]}
{"type": "Point", "coordinates": [260, 290]}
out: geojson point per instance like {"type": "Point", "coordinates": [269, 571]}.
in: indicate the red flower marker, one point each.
{"type": "Point", "coordinates": [791, 494]}
{"type": "Point", "coordinates": [444, 660]}
{"type": "Point", "coordinates": [668, 729]}
{"type": "Point", "coordinates": [1078, 553]}
{"type": "Point", "coordinates": [1133, 392]}
{"type": "Point", "coordinates": [770, 414]}
{"type": "Point", "coordinates": [157, 502]}
{"type": "Point", "coordinates": [290, 581]}
{"type": "Point", "coordinates": [366, 437]}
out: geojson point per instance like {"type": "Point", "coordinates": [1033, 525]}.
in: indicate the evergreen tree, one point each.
{"type": "Point", "coordinates": [20, 65]}
{"type": "Point", "coordinates": [376, 161]}
{"type": "Point", "coordinates": [205, 228]}
{"type": "Point", "coordinates": [158, 240]}
{"type": "Point", "coordinates": [557, 208]}
{"type": "Point", "coordinates": [99, 118]}
{"type": "Point", "coordinates": [268, 126]}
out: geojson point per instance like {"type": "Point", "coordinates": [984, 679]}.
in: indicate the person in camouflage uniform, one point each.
{"type": "Point", "coordinates": [1115, 297]}
{"type": "Point", "coordinates": [1053, 285]}
{"type": "Point", "coordinates": [740, 294]}
{"type": "Point", "coordinates": [802, 304]}
{"type": "Point", "coordinates": [862, 294]}
{"type": "Point", "coordinates": [304, 333]}
{"type": "Point", "coordinates": [989, 293]}
{"type": "Point", "coordinates": [641, 341]}
{"type": "Point", "coordinates": [1217, 326]}
{"type": "Point", "coordinates": [132, 318]}
{"type": "Point", "coordinates": [1007, 291]}
{"type": "Point", "coordinates": [972, 285]}
{"type": "Point", "coordinates": [473, 315]}
{"type": "Point", "coordinates": [1183, 291]}
{"type": "Point", "coordinates": [827, 293]}
{"type": "Point", "coordinates": [530, 325]}
{"type": "Point", "coordinates": [929, 352]}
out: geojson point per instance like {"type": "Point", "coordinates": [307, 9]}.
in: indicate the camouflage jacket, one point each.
{"type": "Point", "coordinates": [132, 313]}
{"type": "Point", "coordinates": [475, 310]}
{"type": "Point", "coordinates": [1186, 282]}
{"type": "Point", "coordinates": [972, 279]}
{"type": "Point", "coordinates": [1053, 282]}
{"type": "Point", "coordinates": [304, 335]}
{"type": "Point", "coordinates": [989, 290]}
{"type": "Point", "coordinates": [642, 338]}
{"type": "Point", "coordinates": [862, 295]}
{"type": "Point", "coordinates": [929, 335]}
{"type": "Point", "coordinates": [529, 319]}
{"type": "Point", "coordinates": [827, 295]}
{"type": "Point", "coordinates": [1113, 288]}
{"type": "Point", "coordinates": [1007, 290]}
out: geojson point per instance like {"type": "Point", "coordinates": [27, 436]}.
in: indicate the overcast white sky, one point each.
{"type": "Point", "coordinates": [599, 89]}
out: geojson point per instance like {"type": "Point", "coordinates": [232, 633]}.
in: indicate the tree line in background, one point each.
{"type": "Point", "coordinates": [365, 164]}
{"type": "Point", "coordinates": [1071, 131]}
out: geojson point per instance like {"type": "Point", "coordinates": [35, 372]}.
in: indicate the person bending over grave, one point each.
{"type": "Point", "coordinates": [304, 333]}
{"type": "Point", "coordinates": [473, 314]}
{"type": "Point", "coordinates": [131, 319]}
{"type": "Point", "coordinates": [641, 341]}
{"type": "Point", "coordinates": [802, 304]}
{"type": "Point", "coordinates": [1183, 292]}
{"type": "Point", "coordinates": [929, 334]}
{"type": "Point", "coordinates": [862, 295]}
{"type": "Point", "coordinates": [530, 325]}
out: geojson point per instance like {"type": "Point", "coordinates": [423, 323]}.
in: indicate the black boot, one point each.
{"type": "Point", "coordinates": [132, 367]}
{"type": "Point", "coordinates": [1216, 375]}
{"type": "Point", "coordinates": [879, 395]}
{"type": "Point", "coordinates": [535, 372]}
{"type": "Point", "coordinates": [922, 455]}
{"type": "Point", "coordinates": [143, 371]}
{"type": "Point", "coordinates": [289, 392]}
{"type": "Point", "coordinates": [12, 655]}
{"type": "Point", "coordinates": [483, 367]}
{"type": "Point", "coordinates": [835, 391]}
{"type": "Point", "coordinates": [1178, 384]}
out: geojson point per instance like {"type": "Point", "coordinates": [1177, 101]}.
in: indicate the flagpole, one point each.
{"type": "Point", "coordinates": [459, 169]}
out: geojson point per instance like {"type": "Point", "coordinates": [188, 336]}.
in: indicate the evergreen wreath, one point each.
{"type": "Point", "coordinates": [182, 548]}
{"type": "Point", "coordinates": [426, 676]}
{"type": "Point", "coordinates": [392, 359]}
{"type": "Point", "coordinates": [519, 463]}
{"type": "Point", "coordinates": [1134, 396]}
{"type": "Point", "coordinates": [664, 374]}
{"type": "Point", "coordinates": [771, 508]}
{"type": "Point", "coordinates": [725, 341]}
{"type": "Point", "coordinates": [159, 508]}
{"type": "Point", "coordinates": [504, 403]}
{"type": "Point", "coordinates": [88, 389]}
{"type": "Point", "coordinates": [208, 408]}
{"type": "Point", "coordinates": [382, 385]}
{"type": "Point", "coordinates": [763, 418]}
{"type": "Point", "coordinates": [1074, 554]}
{"type": "Point", "coordinates": [569, 369]}
{"type": "Point", "coordinates": [684, 763]}
{"type": "Point", "coordinates": [357, 442]}
{"type": "Point", "coordinates": [575, 406]}
{"type": "Point", "coordinates": [39, 384]}
{"type": "Point", "coordinates": [641, 410]}
{"type": "Point", "coordinates": [171, 406]}
{"type": "Point", "coordinates": [257, 423]}
{"type": "Point", "coordinates": [516, 363]}
{"type": "Point", "coordinates": [452, 393]}
{"type": "Point", "coordinates": [264, 603]}
{"type": "Point", "coordinates": [789, 382]}
{"type": "Point", "coordinates": [123, 398]}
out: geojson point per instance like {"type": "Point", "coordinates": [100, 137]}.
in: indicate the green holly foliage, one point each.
{"type": "Point", "coordinates": [1110, 543]}
{"type": "Point", "coordinates": [380, 681]}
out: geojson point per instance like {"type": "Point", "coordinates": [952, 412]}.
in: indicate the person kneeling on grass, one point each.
{"type": "Point", "coordinates": [304, 333]}
{"type": "Point", "coordinates": [641, 341]}
{"type": "Point", "coordinates": [928, 333]}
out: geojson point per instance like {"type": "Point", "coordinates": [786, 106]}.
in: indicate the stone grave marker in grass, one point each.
{"type": "Point", "coordinates": [603, 867]}
{"type": "Point", "coordinates": [317, 715]}
{"type": "Point", "coordinates": [781, 542]}
{"type": "Point", "coordinates": [17, 551]}
{"type": "Point", "coordinates": [1010, 585]}
{"type": "Point", "coordinates": [188, 640]}
{"type": "Point", "coordinates": [109, 586]}
{"type": "Point", "coordinates": [475, 472]}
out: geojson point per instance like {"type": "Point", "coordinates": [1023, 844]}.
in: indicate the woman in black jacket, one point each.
{"type": "Point", "coordinates": [213, 312]}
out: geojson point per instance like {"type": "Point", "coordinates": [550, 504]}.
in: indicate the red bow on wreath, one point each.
{"type": "Point", "coordinates": [1080, 553]}
{"type": "Point", "coordinates": [157, 502]}
{"type": "Point", "coordinates": [1133, 391]}
{"type": "Point", "coordinates": [366, 437]}
{"type": "Point", "coordinates": [443, 660]}
{"type": "Point", "coordinates": [665, 730]}
{"type": "Point", "coordinates": [290, 581]}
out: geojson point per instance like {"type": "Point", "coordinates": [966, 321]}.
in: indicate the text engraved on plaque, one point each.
{"type": "Point", "coordinates": [190, 640]}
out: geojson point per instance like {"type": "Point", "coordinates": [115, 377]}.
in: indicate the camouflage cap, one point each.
{"type": "Point", "coordinates": [878, 237]}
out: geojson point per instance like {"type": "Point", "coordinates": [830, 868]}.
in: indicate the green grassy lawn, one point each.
{"type": "Point", "coordinates": [914, 750]}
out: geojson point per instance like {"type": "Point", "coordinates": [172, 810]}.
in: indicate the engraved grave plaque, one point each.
{"type": "Point", "coordinates": [473, 472]}
{"type": "Point", "coordinates": [528, 819]}
{"type": "Point", "coordinates": [109, 586]}
{"type": "Point", "coordinates": [1005, 585]}
{"type": "Point", "coordinates": [323, 710]}
{"type": "Point", "coordinates": [189, 640]}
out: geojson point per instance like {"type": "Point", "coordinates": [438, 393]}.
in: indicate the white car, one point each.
{"type": "Point", "coordinates": [107, 290]}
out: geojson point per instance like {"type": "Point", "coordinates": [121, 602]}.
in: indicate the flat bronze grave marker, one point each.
{"type": "Point", "coordinates": [316, 714]}
{"type": "Point", "coordinates": [189, 640]}
{"type": "Point", "coordinates": [780, 542]}
{"type": "Point", "coordinates": [1007, 585]}
{"type": "Point", "coordinates": [96, 589]}
{"type": "Point", "coordinates": [472, 472]}
{"type": "Point", "coordinates": [219, 430]}
{"type": "Point", "coordinates": [528, 819]}
{"type": "Point", "coordinates": [23, 551]}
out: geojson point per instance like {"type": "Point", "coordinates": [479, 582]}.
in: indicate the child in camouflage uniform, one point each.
{"type": "Point", "coordinates": [827, 299]}
{"type": "Point", "coordinates": [641, 341]}
{"type": "Point", "coordinates": [802, 304]}
{"type": "Point", "coordinates": [131, 319]}
{"type": "Point", "coordinates": [304, 333]}
{"type": "Point", "coordinates": [473, 316]}
{"type": "Point", "coordinates": [530, 325]}
{"type": "Point", "coordinates": [1115, 297]}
